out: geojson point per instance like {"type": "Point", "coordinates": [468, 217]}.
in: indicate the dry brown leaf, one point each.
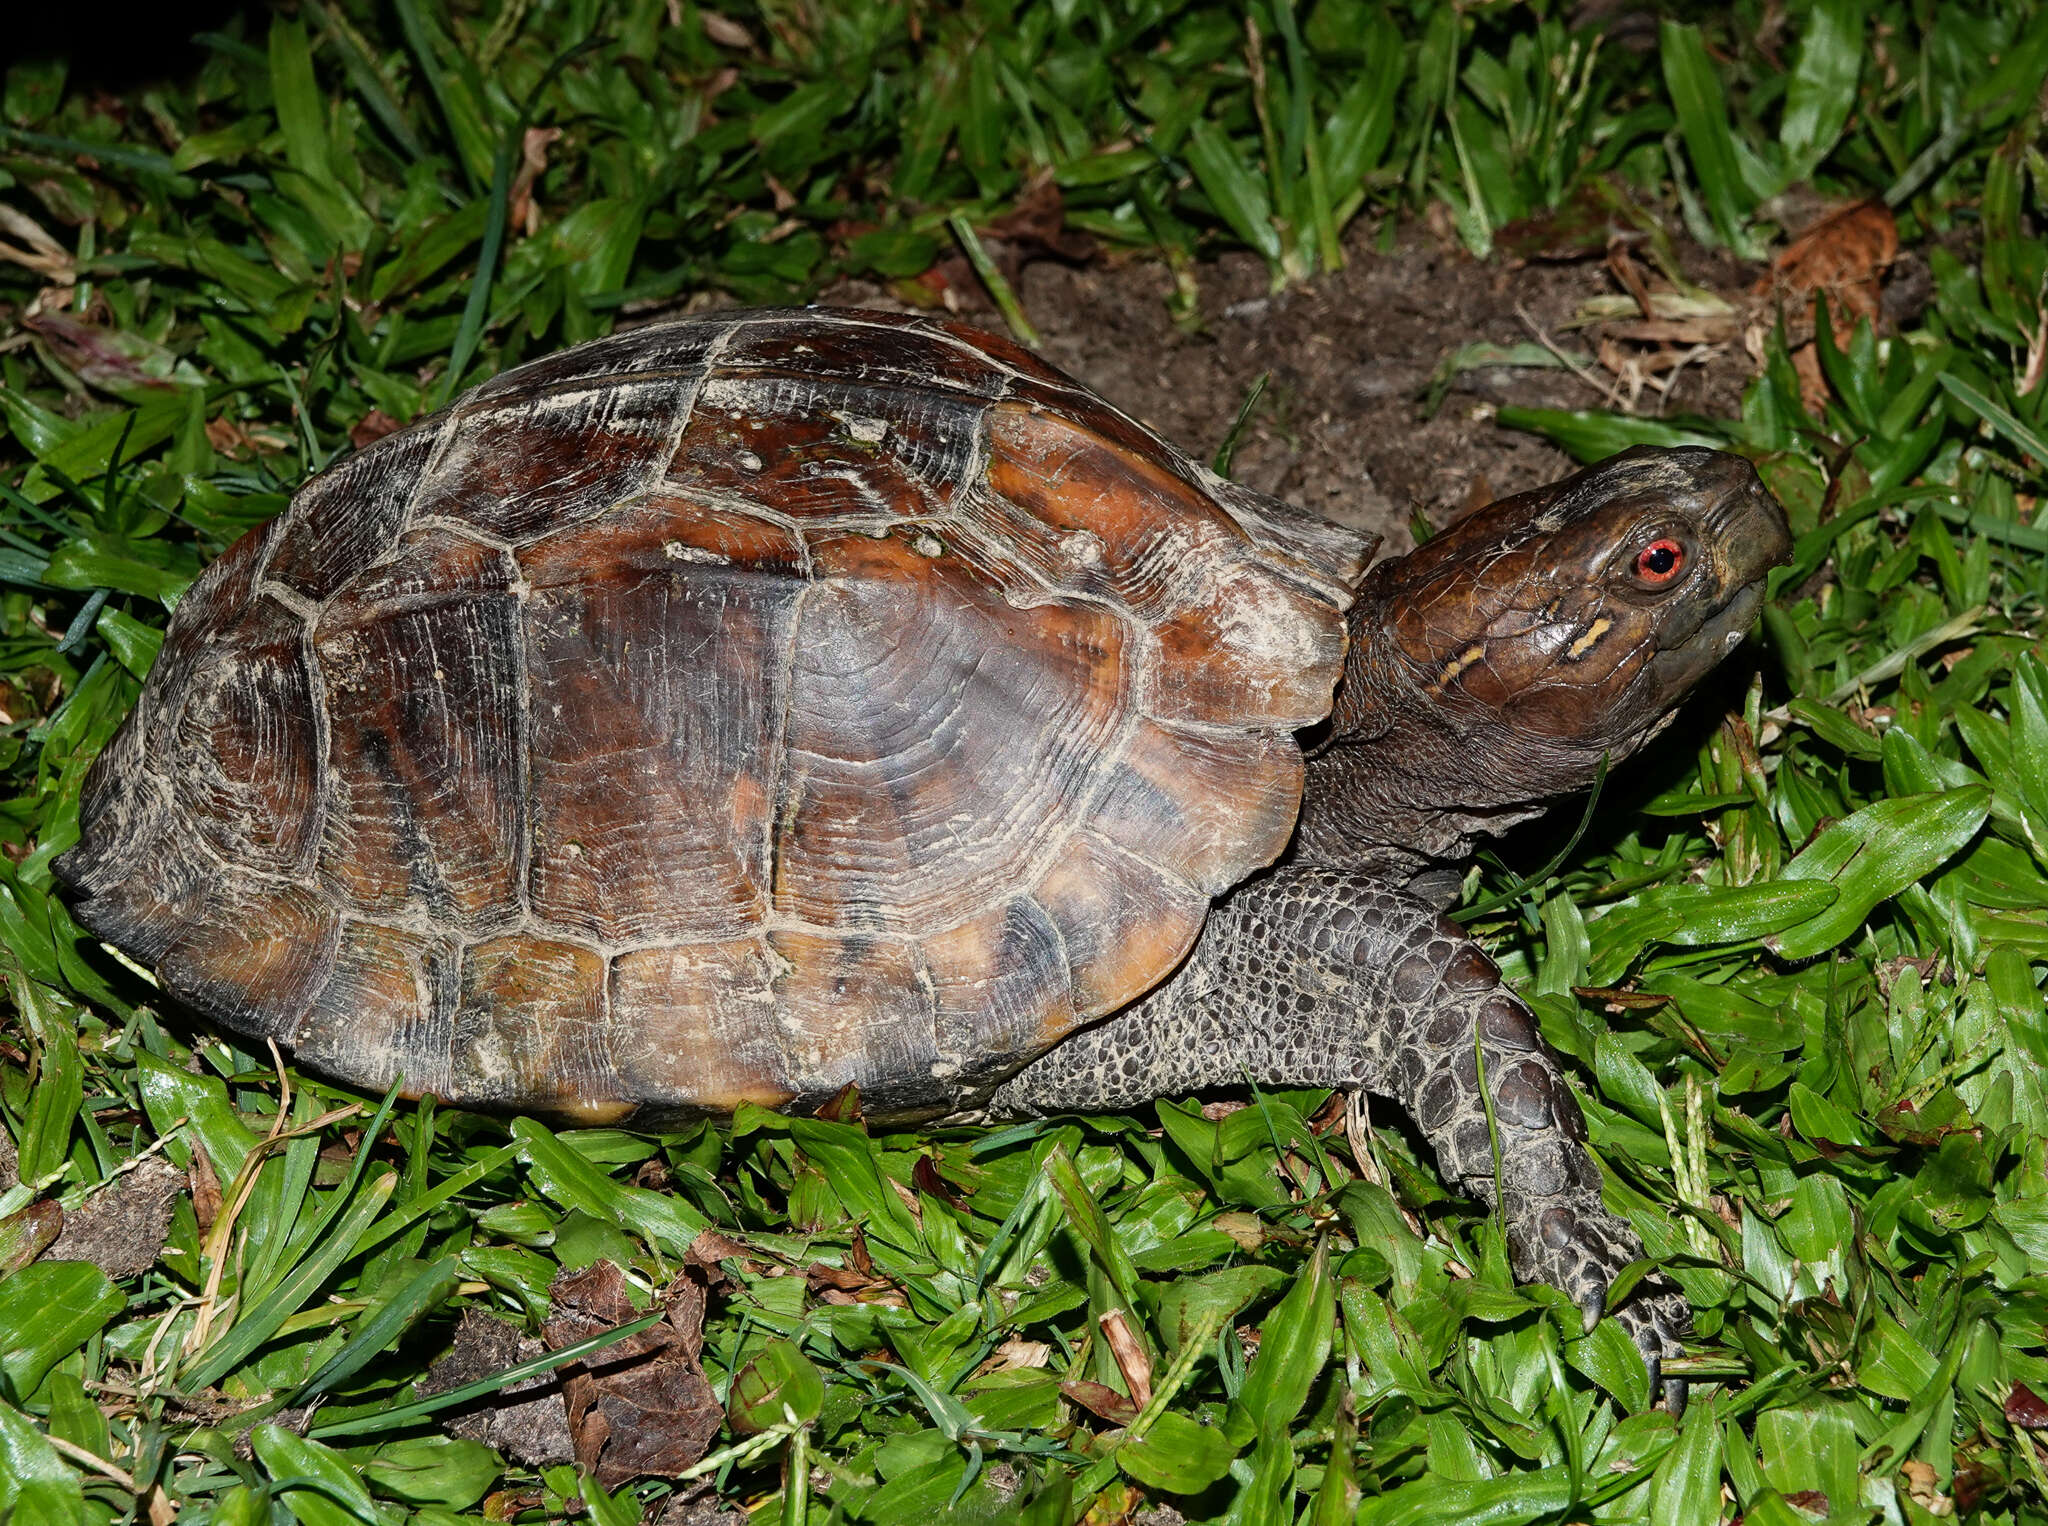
{"type": "Point", "coordinates": [641, 1406]}
{"type": "Point", "coordinates": [522, 211]}
{"type": "Point", "coordinates": [725, 31]}
{"type": "Point", "coordinates": [44, 255]}
{"type": "Point", "coordinates": [1131, 1360]}
{"type": "Point", "coordinates": [206, 1200]}
{"type": "Point", "coordinates": [372, 427]}
{"type": "Point", "coordinates": [1100, 1400]}
{"type": "Point", "coordinates": [2023, 1407]}
{"type": "Point", "coordinates": [1843, 256]}
{"type": "Point", "coordinates": [98, 356]}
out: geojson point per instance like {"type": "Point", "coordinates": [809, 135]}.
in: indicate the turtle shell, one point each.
{"type": "Point", "coordinates": [723, 711]}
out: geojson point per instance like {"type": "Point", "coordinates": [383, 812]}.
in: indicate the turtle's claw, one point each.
{"type": "Point", "coordinates": [1655, 1317]}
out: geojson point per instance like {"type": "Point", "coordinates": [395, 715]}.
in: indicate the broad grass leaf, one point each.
{"type": "Point", "coordinates": [1267, 1498]}
{"type": "Point", "coordinates": [1590, 435]}
{"type": "Point", "coordinates": [1609, 1357]}
{"type": "Point", "coordinates": [1893, 1364]}
{"type": "Point", "coordinates": [778, 1384]}
{"type": "Point", "coordinates": [1178, 1454]}
{"type": "Point", "coordinates": [1821, 91]}
{"type": "Point", "coordinates": [170, 1094]}
{"type": "Point", "coordinates": [565, 1176]}
{"type": "Point", "coordinates": [1236, 193]}
{"type": "Point", "coordinates": [1835, 728]}
{"type": "Point", "coordinates": [301, 108]}
{"type": "Point", "coordinates": [1873, 855]}
{"type": "Point", "coordinates": [852, 1167]}
{"type": "Point", "coordinates": [1701, 105]}
{"type": "Point", "coordinates": [336, 1496]}
{"type": "Point", "coordinates": [1811, 1446]}
{"type": "Point", "coordinates": [37, 1487]}
{"type": "Point", "coordinates": [1085, 1218]}
{"type": "Point", "coordinates": [260, 1324]}
{"type": "Point", "coordinates": [1294, 1343]}
{"type": "Point", "coordinates": [1194, 1308]}
{"type": "Point", "coordinates": [1820, 1120]}
{"type": "Point", "coordinates": [1510, 1500]}
{"type": "Point", "coordinates": [1686, 1486]}
{"type": "Point", "coordinates": [1737, 913]}
{"type": "Point", "coordinates": [434, 1470]}
{"type": "Point", "coordinates": [47, 1311]}
{"type": "Point", "coordinates": [53, 1105]}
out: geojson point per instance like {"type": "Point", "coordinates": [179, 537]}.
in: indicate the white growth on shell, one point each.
{"type": "Point", "coordinates": [676, 551]}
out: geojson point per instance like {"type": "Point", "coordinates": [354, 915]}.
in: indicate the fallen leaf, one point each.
{"type": "Point", "coordinates": [926, 1177]}
{"type": "Point", "coordinates": [724, 31]}
{"type": "Point", "coordinates": [1923, 1487]}
{"type": "Point", "coordinates": [641, 1406]}
{"type": "Point", "coordinates": [205, 1191]}
{"type": "Point", "coordinates": [1131, 1360]}
{"type": "Point", "coordinates": [2023, 1407]}
{"type": "Point", "coordinates": [120, 363]}
{"type": "Point", "coordinates": [521, 210]}
{"type": "Point", "coordinates": [372, 427]}
{"type": "Point", "coordinates": [1843, 257]}
{"type": "Point", "coordinates": [1036, 227]}
{"type": "Point", "coordinates": [26, 1234]}
{"type": "Point", "coordinates": [1017, 1354]}
{"type": "Point", "coordinates": [1100, 1400]}
{"type": "Point", "coordinates": [44, 255]}
{"type": "Point", "coordinates": [842, 1107]}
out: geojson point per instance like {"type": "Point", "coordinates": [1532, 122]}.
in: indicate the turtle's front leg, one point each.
{"type": "Point", "coordinates": [1314, 977]}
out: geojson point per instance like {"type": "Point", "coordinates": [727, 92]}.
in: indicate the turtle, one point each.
{"type": "Point", "coordinates": [747, 707]}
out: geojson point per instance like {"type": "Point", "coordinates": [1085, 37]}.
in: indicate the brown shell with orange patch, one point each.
{"type": "Point", "coordinates": [729, 710]}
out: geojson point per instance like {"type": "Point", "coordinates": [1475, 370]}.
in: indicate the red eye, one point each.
{"type": "Point", "coordinates": [1660, 561]}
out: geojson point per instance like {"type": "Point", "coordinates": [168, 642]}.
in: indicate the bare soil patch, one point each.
{"type": "Point", "coordinates": [1344, 426]}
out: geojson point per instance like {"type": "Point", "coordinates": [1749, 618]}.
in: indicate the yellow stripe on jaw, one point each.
{"type": "Point", "coordinates": [1591, 639]}
{"type": "Point", "coordinates": [1457, 665]}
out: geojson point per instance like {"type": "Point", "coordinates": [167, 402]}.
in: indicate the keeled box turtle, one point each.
{"type": "Point", "coordinates": [742, 707]}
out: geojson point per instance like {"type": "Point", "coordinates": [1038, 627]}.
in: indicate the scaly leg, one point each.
{"type": "Point", "coordinates": [1316, 977]}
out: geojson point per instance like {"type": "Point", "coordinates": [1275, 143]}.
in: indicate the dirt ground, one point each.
{"type": "Point", "coordinates": [1343, 426]}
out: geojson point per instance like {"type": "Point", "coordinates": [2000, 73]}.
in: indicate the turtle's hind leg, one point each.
{"type": "Point", "coordinates": [1316, 977]}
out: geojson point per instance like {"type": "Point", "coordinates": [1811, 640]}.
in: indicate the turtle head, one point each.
{"type": "Point", "coordinates": [1499, 663]}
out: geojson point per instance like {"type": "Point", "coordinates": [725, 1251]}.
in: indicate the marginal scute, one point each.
{"type": "Point", "coordinates": [718, 1043]}
{"type": "Point", "coordinates": [532, 1026]}
{"type": "Point", "coordinates": [246, 748]}
{"type": "Point", "coordinates": [256, 956]}
{"type": "Point", "coordinates": [1211, 806]}
{"type": "Point", "coordinates": [854, 1012]}
{"type": "Point", "coordinates": [387, 1012]}
{"type": "Point", "coordinates": [1001, 990]}
{"type": "Point", "coordinates": [939, 739]}
{"type": "Point", "coordinates": [419, 659]}
{"type": "Point", "coordinates": [531, 464]}
{"type": "Point", "coordinates": [143, 862]}
{"type": "Point", "coordinates": [655, 659]}
{"type": "Point", "coordinates": [350, 514]}
{"type": "Point", "coordinates": [1126, 923]}
{"type": "Point", "coordinates": [1254, 650]}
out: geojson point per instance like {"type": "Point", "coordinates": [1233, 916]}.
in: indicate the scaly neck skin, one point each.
{"type": "Point", "coordinates": [1405, 783]}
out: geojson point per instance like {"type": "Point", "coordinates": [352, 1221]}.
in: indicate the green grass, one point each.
{"type": "Point", "coordinates": [1819, 1071]}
